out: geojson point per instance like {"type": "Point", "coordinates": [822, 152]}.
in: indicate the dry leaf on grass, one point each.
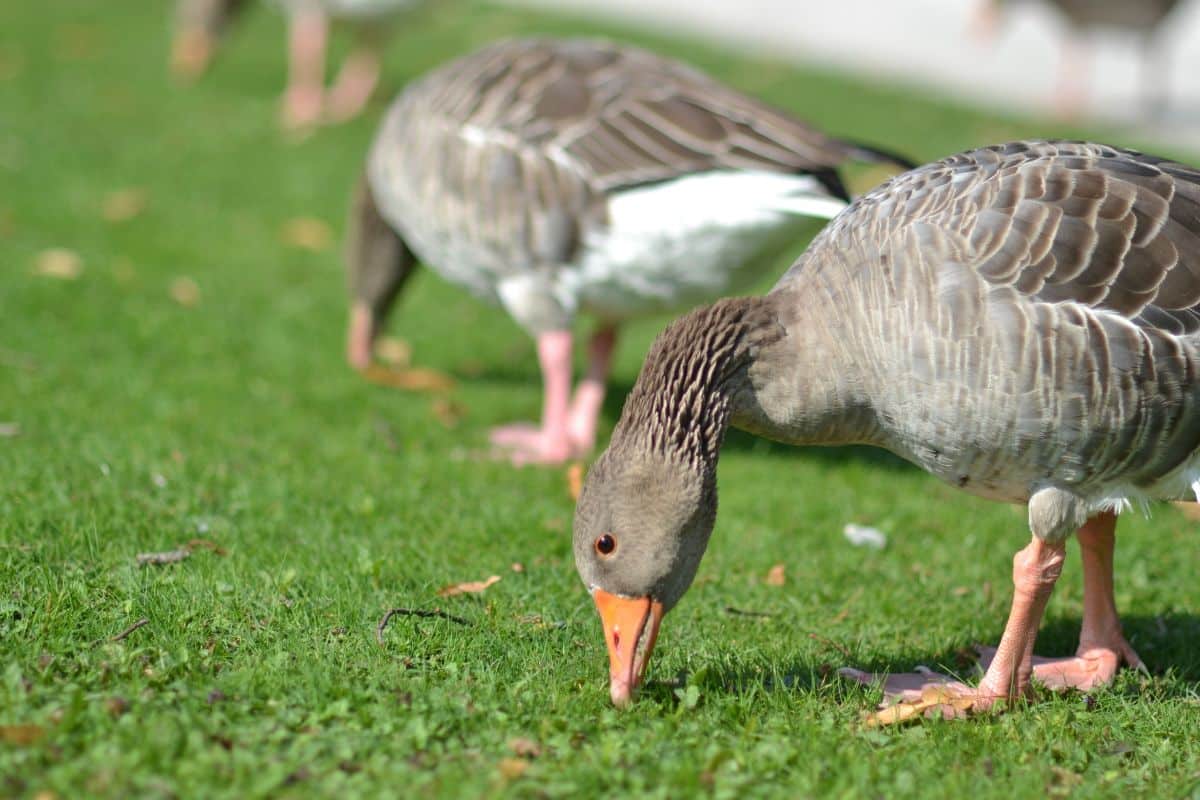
{"type": "Point", "coordinates": [525, 748]}
{"type": "Point", "coordinates": [517, 566]}
{"type": "Point", "coordinates": [1188, 509]}
{"type": "Point", "coordinates": [23, 735]}
{"type": "Point", "coordinates": [575, 480]}
{"type": "Point", "coordinates": [935, 700]}
{"type": "Point", "coordinates": [775, 576]}
{"type": "Point", "coordinates": [185, 291]}
{"type": "Point", "coordinates": [59, 262]}
{"type": "Point", "coordinates": [123, 204]}
{"type": "Point", "coordinates": [393, 352]}
{"type": "Point", "coordinates": [413, 379]}
{"type": "Point", "coordinates": [470, 587]}
{"type": "Point", "coordinates": [512, 768]}
{"type": "Point", "coordinates": [307, 233]}
{"type": "Point", "coordinates": [448, 412]}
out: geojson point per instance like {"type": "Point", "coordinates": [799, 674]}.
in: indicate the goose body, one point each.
{"type": "Point", "coordinates": [1009, 318]}
{"type": "Point", "coordinates": [1022, 321]}
{"type": "Point", "coordinates": [566, 177]}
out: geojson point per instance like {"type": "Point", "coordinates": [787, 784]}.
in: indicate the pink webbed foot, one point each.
{"type": "Point", "coordinates": [529, 444]}
{"type": "Point", "coordinates": [924, 693]}
{"type": "Point", "coordinates": [301, 108]}
{"type": "Point", "coordinates": [1092, 667]}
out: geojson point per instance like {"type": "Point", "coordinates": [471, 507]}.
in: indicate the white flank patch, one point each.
{"type": "Point", "coordinates": [692, 239]}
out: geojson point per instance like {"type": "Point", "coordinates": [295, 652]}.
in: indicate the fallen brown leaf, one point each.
{"type": "Point", "coordinates": [22, 735]}
{"type": "Point", "coordinates": [512, 768]}
{"type": "Point", "coordinates": [575, 480]}
{"type": "Point", "coordinates": [59, 262]}
{"type": "Point", "coordinates": [448, 412]}
{"type": "Point", "coordinates": [470, 587]}
{"type": "Point", "coordinates": [525, 748]}
{"type": "Point", "coordinates": [393, 352]}
{"type": "Point", "coordinates": [775, 576]}
{"type": "Point", "coordinates": [116, 705]}
{"type": "Point", "coordinates": [123, 205]}
{"type": "Point", "coordinates": [307, 233]}
{"type": "Point", "coordinates": [960, 591]}
{"type": "Point", "coordinates": [1188, 509]}
{"type": "Point", "coordinates": [185, 291]}
{"type": "Point", "coordinates": [413, 379]}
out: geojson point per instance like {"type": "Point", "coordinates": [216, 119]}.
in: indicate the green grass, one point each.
{"type": "Point", "coordinates": [144, 423]}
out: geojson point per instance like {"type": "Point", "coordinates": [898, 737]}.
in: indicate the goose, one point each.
{"type": "Point", "coordinates": [200, 24]}
{"type": "Point", "coordinates": [557, 177]}
{"type": "Point", "coordinates": [1142, 18]}
{"type": "Point", "coordinates": [1021, 321]}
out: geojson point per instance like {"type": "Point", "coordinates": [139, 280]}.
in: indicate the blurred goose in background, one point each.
{"type": "Point", "coordinates": [1022, 321]}
{"type": "Point", "coordinates": [559, 177]}
{"type": "Point", "coordinates": [1142, 18]}
{"type": "Point", "coordinates": [199, 25]}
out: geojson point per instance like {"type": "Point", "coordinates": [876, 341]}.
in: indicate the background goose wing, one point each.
{"type": "Point", "coordinates": [1063, 222]}
{"type": "Point", "coordinates": [623, 116]}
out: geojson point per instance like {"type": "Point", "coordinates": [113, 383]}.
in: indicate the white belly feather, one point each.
{"type": "Point", "coordinates": [689, 240]}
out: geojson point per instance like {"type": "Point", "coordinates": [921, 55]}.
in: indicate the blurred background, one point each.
{"type": "Point", "coordinates": [1010, 59]}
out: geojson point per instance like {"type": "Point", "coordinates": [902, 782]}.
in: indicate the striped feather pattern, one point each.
{"type": "Point", "coordinates": [1008, 318]}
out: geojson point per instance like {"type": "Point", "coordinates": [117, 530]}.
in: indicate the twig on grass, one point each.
{"type": "Point", "coordinates": [737, 612]}
{"type": "Point", "coordinates": [120, 636]}
{"type": "Point", "coordinates": [841, 648]}
{"type": "Point", "coordinates": [414, 612]}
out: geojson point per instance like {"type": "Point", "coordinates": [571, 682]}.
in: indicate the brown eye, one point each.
{"type": "Point", "coordinates": [606, 544]}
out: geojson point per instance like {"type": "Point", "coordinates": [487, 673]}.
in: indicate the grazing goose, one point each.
{"type": "Point", "coordinates": [1022, 321]}
{"type": "Point", "coordinates": [555, 177]}
{"type": "Point", "coordinates": [199, 25]}
{"type": "Point", "coordinates": [1143, 18]}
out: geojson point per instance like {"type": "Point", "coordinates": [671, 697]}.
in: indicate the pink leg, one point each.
{"type": "Point", "coordinates": [551, 443]}
{"type": "Point", "coordinates": [355, 82]}
{"type": "Point", "coordinates": [589, 395]}
{"type": "Point", "coordinates": [1035, 570]}
{"type": "Point", "coordinates": [307, 36]}
{"type": "Point", "coordinates": [1102, 646]}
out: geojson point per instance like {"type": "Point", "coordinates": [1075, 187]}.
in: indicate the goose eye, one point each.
{"type": "Point", "coordinates": [606, 544]}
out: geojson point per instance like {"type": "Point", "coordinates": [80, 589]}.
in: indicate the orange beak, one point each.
{"type": "Point", "coordinates": [630, 630]}
{"type": "Point", "coordinates": [361, 336]}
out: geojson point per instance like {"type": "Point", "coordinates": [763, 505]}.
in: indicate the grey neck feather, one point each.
{"type": "Point", "coordinates": [681, 405]}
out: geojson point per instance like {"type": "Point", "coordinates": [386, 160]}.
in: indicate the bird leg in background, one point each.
{"type": "Point", "coordinates": [1035, 570]}
{"type": "Point", "coordinates": [1102, 646]}
{"type": "Point", "coordinates": [356, 79]}
{"type": "Point", "coordinates": [308, 34]}
{"type": "Point", "coordinates": [551, 443]}
{"type": "Point", "coordinates": [191, 52]}
{"type": "Point", "coordinates": [589, 395]}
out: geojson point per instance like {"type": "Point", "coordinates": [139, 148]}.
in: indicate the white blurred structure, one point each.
{"type": "Point", "coordinates": [931, 42]}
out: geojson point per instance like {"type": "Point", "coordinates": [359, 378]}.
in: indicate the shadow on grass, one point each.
{"type": "Point", "coordinates": [1166, 642]}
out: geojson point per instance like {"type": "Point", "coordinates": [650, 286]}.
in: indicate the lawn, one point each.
{"type": "Point", "coordinates": [171, 320]}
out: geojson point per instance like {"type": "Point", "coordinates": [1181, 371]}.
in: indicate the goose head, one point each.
{"type": "Point", "coordinates": [642, 524]}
